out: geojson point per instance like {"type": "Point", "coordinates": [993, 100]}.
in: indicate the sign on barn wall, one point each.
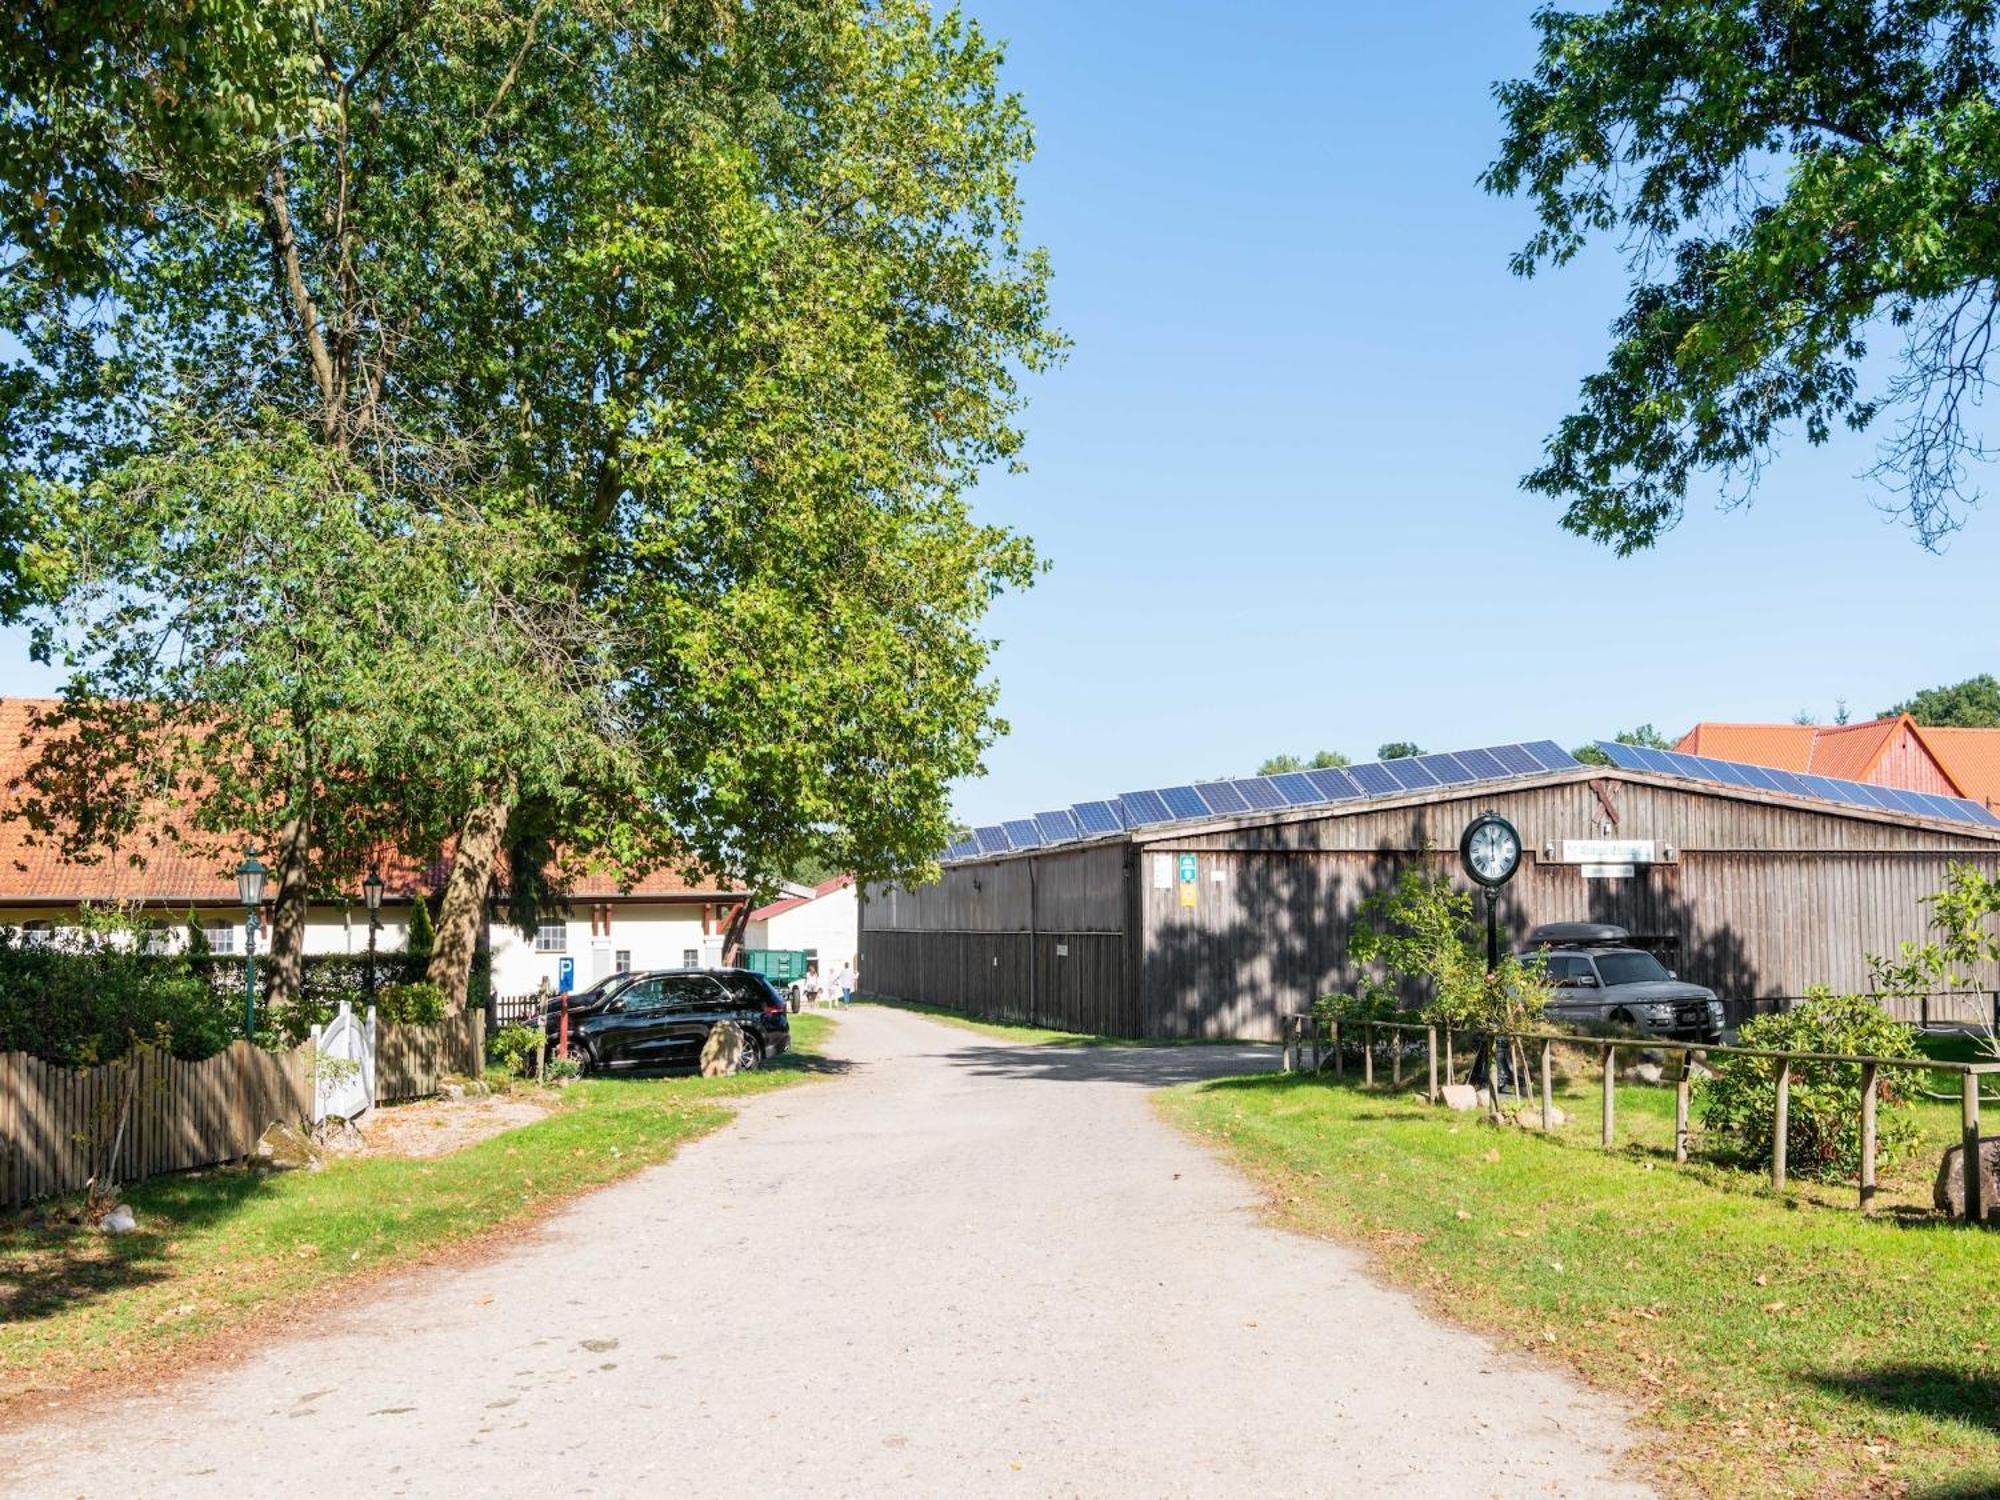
{"type": "Point", "coordinates": [1189, 874]}
{"type": "Point", "coordinates": [1589, 852]}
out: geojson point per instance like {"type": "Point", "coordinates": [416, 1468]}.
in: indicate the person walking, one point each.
{"type": "Point", "coordinates": [843, 983]}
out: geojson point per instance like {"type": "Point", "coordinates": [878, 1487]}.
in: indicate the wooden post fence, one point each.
{"type": "Point", "coordinates": [1431, 1053]}
{"type": "Point", "coordinates": [1975, 1198]}
{"type": "Point", "coordinates": [1781, 1123]}
{"type": "Point", "coordinates": [1548, 1087]}
{"type": "Point", "coordinates": [1610, 1103]}
{"type": "Point", "coordinates": [1868, 1136]}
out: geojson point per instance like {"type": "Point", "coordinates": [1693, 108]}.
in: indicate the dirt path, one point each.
{"type": "Point", "coordinates": [966, 1268]}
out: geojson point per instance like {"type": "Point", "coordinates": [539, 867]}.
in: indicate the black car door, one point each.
{"type": "Point", "coordinates": [632, 1028]}
{"type": "Point", "coordinates": [695, 1003]}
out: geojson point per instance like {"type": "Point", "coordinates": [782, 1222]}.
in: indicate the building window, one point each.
{"type": "Point", "coordinates": [552, 937]}
{"type": "Point", "coordinates": [690, 958]}
{"type": "Point", "coordinates": [221, 937]}
{"type": "Point", "coordinates": [156, 939]}
{"type": "Point", "coordinates": [622, 961]}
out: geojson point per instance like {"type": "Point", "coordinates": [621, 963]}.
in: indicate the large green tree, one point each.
{"type": "Point", "coordinates": [1971, 704]}
{"type": "Point", "coordinates": [720, 308]}
{"type": "Point", "coordinates": [1320, 761]}
{"type": "Point", "coordinates": [1794, 186]}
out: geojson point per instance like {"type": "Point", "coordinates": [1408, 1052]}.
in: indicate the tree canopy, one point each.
{"type": "Point", "coordinates": [1971, 704]}
{"type": "Point", "coordinates": [1794, 185]}
{"type": "Point", "coordinates": [1398, 750]}
{"type": "Point", "coordinates": [670, 336]}
{"type": "Point", "coordinates": [1321, 760]}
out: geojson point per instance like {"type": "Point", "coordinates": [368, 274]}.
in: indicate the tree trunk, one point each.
{"type": "Point", "coordinates": [285, 968]}
{"type": "Point", "coordinates": [732, 939]}
{"type": "Point", "coordinates": [464, 910]}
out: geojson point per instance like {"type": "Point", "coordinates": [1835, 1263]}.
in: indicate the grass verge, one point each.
{"type": "Point", "coordinates": [217, 1250]}
{"type": "Point", "coordinates": [1779, 1346]}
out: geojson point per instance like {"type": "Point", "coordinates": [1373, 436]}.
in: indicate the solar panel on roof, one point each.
{"type": "Point", "coordinates": [1333, 784]}
{"type": "Point", "coordinates": [1483, 764]}
{"type": "Point", "coordinates": [1222, 797]}
{"type": "Point", "coordinates": [1409, 775]}
{"type": "Point", "coordinates": [1789, 782]}
{"type": "Point", "coordinates": [1824, 787]}
{"type": "Point", "coordinates": [1184, 802]}
{"type": "Point", "coordinates": [992, 839]}
{"type": "Point", "coordinates": [1515, 760]}
{"type": "Point", "coordinates": [1295, 789]}
{"type": "Point", "coordinates": [1374, 779]}
{"type": "Point", "coordinates": [1139, 808]}
{"type": "Point", "coordinates": [1056, 827]}
{"type": "Point", "coordinates": [1097, 818]}
{"type": "Point", "coordinates": [1259, 793]}
{"type": "Point", "coordinates": [1979, 812]}
{"type": "Point", "coordinates": [1446, 768]}
{"type": "Point", "coordinates": [1551, 755]}
{"type": "Point", "coordinates": [960, 849]}
{"type": "Point", "coordinates": [1022, 833]}
{"type": "Point", "coordinates": [1626, 757]}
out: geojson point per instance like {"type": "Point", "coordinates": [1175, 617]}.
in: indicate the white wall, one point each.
{"type": "Point", "coordinates": [829, 925]}
{"type": "Point", "coordinates": [654, 934]}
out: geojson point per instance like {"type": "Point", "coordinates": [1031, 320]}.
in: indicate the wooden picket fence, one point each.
{"type": "Point", "coordinates": [411, 1060]}
{"type": "Point", "coordinates": [58, 1125]}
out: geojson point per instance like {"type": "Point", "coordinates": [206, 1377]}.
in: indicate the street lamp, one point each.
{"type": "Point", "coordinates": [371, 892]}
{"type": "Point", "coordinates": [250, 891]}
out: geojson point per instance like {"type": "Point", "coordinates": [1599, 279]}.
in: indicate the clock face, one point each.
{"type": "Point", "coordinates": [1492, 850]}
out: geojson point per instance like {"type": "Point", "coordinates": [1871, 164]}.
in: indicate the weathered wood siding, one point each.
{"type": "Point", "coordinates": [410, 1061]}
{"type": "Point", "coordinates": [1762, 899]}
{"type": "Point", "coordinates": [1042, 939]}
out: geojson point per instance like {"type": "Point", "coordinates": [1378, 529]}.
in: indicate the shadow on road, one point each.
{"type": "Point", "coordinates": [1145, 1067]}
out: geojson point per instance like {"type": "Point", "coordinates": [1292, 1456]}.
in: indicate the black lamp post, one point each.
{"type": "Point", "coordinates": [250, 891]}
{"type": "Point", "coordinates": [371, 892]}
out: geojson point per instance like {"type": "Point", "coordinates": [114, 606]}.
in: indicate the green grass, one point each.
{"type": "Point", "coordinates": [1018, 1032]}
{"type": "Point", "coordinates": [214, 1250]}
{"type": "Point", "coordinates": [1780, 1345]}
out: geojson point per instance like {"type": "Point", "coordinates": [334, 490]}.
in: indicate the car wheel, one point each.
{"type": "Point", "coordinates": [752, 1056]}
{"type": "Point", "coordinates": [585, 1054]}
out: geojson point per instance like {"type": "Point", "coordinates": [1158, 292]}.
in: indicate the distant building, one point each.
{"type": "Point", "coordinates": [1895, 751]}
{"type": "Point", "coordinates": [661, 920]}
{"type": "Point", "coordinates": [823, 920]}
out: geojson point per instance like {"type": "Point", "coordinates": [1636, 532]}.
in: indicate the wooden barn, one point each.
{"type": "Point", "coordinates": [1217, 926]}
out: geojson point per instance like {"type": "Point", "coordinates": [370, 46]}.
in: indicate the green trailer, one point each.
{"type": "Point", "coordinates": [782, 966]}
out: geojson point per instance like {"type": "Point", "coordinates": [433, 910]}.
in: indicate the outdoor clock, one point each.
{"type": "Point", "coordinates": [1490, 850]}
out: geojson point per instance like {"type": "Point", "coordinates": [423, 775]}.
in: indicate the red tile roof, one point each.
{"type": "Point", "coordinates": [789, 903]}
{"type": "Point", "coordinates": [166, 863]}
{"type": "Point", "coordinates": [1853, 752]}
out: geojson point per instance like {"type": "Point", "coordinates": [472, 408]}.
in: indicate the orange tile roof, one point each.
{"type": "Point", "coordinates": [165, 863]}
{"type": "Point", "coordinates": [1970, 757]}
{"type": "Point", "coordinates": [1787, 747]}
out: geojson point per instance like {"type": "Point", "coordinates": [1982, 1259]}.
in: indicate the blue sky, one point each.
{"type": "Point", "coordinates": [1277, 480]}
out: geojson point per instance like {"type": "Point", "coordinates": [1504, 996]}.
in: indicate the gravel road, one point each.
{"type": "Point", "coordinates": [965, 1268]}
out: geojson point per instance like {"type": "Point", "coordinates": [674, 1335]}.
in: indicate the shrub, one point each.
{"type": "Point", "coordinates": [561, 1070]}
{"type": "Point", "coordinates": [418, 1004]}
{"type": "Point", "coordinates": [1823, 1137]}
{"type": "Point", "coordinates": [79, 997]}
{"type": "Point", "coordinates": [513, 1048]}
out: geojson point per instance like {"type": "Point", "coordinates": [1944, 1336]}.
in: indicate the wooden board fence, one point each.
{"type": "Point", "coordinates": [57, 1124]}
{"type": "Point", "coordinates": [410, 1060]}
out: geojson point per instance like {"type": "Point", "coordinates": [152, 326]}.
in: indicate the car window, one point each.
{"type": "Point", "coordinates": [1564, 972]}
{"type": "Point", "coordinates": [1629, 968]}
{"type": "Point", "coordinates": [689, 991]}
{"type": "Point", "coordinates": [644, 996]}
{"type": "Point", "coordinates": [744, 989]}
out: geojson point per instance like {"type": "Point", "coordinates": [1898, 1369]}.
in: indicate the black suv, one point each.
{"type": "Point", "coordinates": [661, 1018]}
{"type": "Point", "coordinates": [1599, 976]}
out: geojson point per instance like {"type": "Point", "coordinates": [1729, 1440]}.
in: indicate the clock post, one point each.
{"type": "Point", "coordinates": [1490, 850]}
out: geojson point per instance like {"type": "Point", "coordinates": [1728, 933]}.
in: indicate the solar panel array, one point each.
{"type": "Point", "coordinates": [1819, 788]}
{"type": "Point", "coordinates": [1203, 800]}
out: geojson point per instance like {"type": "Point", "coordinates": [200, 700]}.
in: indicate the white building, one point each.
{"type": "Point", "coordinates": [662, 921]}
{"type": "Point", "coordinates": [823, 920]}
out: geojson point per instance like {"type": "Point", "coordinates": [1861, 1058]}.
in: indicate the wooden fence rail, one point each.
{"type": "Point", "coordinates": [1305, 1034]}
{"type": "Point", "coordinates": [410, 1061]}
{"type": "Point", "coordinates": [58, 1125]}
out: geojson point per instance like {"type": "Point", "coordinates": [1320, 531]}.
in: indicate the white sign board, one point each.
{"type": "Point", "coordinates": [1608, 852]}
{"type": "Point", "coordinates": [1163, 872]}
{"type": "Point", "coordinates": [1609, 872]}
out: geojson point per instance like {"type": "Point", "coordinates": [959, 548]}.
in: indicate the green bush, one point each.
{"type": "Point", "coordinates": [513, 1049]}
{"type": "Point", "coordinates": [80, 996]}
{"type": "Point", "coordinates": [1823, 1137]}
{"type": "Point", "coordinates": [417, 1004]}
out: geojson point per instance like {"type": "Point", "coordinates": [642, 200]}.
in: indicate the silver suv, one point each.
{"type": "Point", "coordinates": [1600, 977]}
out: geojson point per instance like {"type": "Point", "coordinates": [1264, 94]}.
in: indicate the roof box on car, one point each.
{"type": "Point", "coordinates": [1575, 934]}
